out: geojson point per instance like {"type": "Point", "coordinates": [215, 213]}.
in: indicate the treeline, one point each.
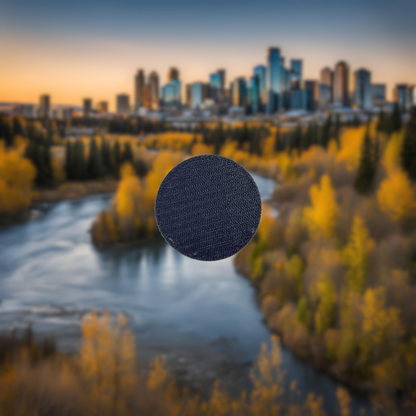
{"type": "Point", "coordinates": [336, 270]}
{"type": "Point", "coordinates": [131, 216]}
{"type": "Point", "coordinates": [107, 379]}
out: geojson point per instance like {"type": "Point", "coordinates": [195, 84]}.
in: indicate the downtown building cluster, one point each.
{"type": "Point", "coordinates": [274, 87]}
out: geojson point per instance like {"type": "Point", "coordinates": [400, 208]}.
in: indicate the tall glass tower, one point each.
{"type": "Point", "coordinates": [363, 89]}
{"type": "Point", "coordinates": [254, 88]}
{"type": "Point", "coordinates": [260, 71]}
{"type": "Point", "coordinates": [275, 79]}
{"type": "Point", "coordinates": [295, 73]}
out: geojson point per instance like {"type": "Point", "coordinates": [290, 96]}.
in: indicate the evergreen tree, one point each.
{"type": "Point", "coordinates": [106, 157]}
{"type": "Point", "coordinates": [116, 159]}
{"type": "Point", "coordinates": [395, 120]}
{"type": "Point", "coordinates": [127, 154]}
{"type": "Point", "coordinates": [408, 153]}
{"type": "Point", "coordinates": [325, 134]}
{"type": "Point", "coordinates": [69, 160]}
{"type": "Point", "coordinates": [382, 122]}
{"type": "Point", "coordinates": [278, 145]}
{"type": "Point", "coordinates": [366, 168]}
{"type": "Point", "coordinates": [80, 167]}
{"type": "Point", "coordinates": [95, 165]}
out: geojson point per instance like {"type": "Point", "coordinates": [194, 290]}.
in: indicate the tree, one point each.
{"type": "Point", "coordinates": [396, 196]}
{"type": "Point", "coordinates": [408, 152]}
{"type": "Point", "coordinates": [366, 168]}
{"type": "Point", "coordinates": [95, 165]}
{"type": "Point", "coordinates": [355, 256]}
{"type": "Point", "coordinates": [326, 311]}
{"type": "Point", "coordinates": [321, 216]}
{"type": "Point", "coordinates": [395, 120]}
{"type": "Point", "coordinates": [80, 172]}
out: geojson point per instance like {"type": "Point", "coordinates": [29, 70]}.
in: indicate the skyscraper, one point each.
{"type": "Point", "coordinates": [275, 80]}
{"type": "Point", "coordinates": [44, 105]}
{"type": "Point", "coordinates": [341, 84]}
{"type": "Point", "coordinates": [254, 88]}
{"type": "Point", "coordinates": [403, 96]}
{"type": "Point", "coordinates": [362, 94]}
{"type": "Point", "coordinates": [261, 72]}
{"type": "Point", "coordinates": [138, 88]}
{"type": "Point", "coordinates": [327, 76]}
{"type": "Point", "coordinates": [173, 74]}
{"type": "Point", "coordinates": [171, 94]}
{"type": "Point", "coordinates": [295, 73]}
{"type": "Point", "coordinates": [123, 104]}
{"type": "Point", "coordinates": [325, 96]}
{"type": "Point", "coordinates": [378, 94]}
{"type": "Point", "coordinates": [154, 90]}
{"type": "Point", "coordinates": [312, 94]}
{"type": "Point", "coordinates": [216, 85]}
{"type": "Point", "coordinates": [188, 95]}
{"type": "Point", "coordinates": [146, 99]}
{"type": "Point", "coordinates": [102, 107]}
{"type": "Point", "coordinates": [87, 107]}
{"type": "Point", "coordinates": [239, 92]}
{"type": "Point", "coordinates": [200, 92]}
{"type": "Point", "coordinates": [298, 99]}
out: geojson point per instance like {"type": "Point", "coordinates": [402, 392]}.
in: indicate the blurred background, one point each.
{"type": "Point", "coordinates": [100, 100]}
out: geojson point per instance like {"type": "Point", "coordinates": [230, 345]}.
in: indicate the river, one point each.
{"type": "Point", "coordinates": [203, 316]}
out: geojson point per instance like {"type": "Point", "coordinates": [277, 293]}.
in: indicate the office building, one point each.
{"type": "Point", "coordinates": [123, 104]}
{"type": "Point", "coordinates": [254, 95]}
{"type": "Point", "coordinates": [146, 99]}
{"type": "Point", "coordinates": [44, 105]}
{"type": "Point", "coordinates": [275, 80]}
{"type": "Point", "coordinates": [298, 99]}
{"type": "Point", "coordinates": [216, 85]}
{"type": "Point", "coordinates": [139, 82]}
{"type": "Point", "coordinates": [87, 107]}
{"type": "Point", "coordinates": [341, 84]}
{"type": "Point", "coordinates": [239, 92]}
{"type": "Point", "coordinates": [295, 74]}
{"type": "Point", "coordinates": [154, 90]}
{"type": "Point", "coordinates": [173, 74]}
{"type": "Point", "coordinates": [188, 95]}
{"type": "Point", "coordinates": [325, 96]}
{"type": "Point", "coordinates": [261, 72]}
{"type": "Point", "coordinates": [200, 92]}
{"type": "Point", "coordinates": [64, 113]}
{"type": "Point", "coordinates": [102, 107]}
{"type": "Point", "coordinates": [327, 76]}
{"type": "Point", "coordinates": [403, 96]}
{"type": "Point", "coordinates": [362, 90]}
{"type": "Point", "coordinates": [311, 88]}
{"type": "Point", "coordinates": [378, 94]}
{"type": "Point", "coordinates": [171, 94]}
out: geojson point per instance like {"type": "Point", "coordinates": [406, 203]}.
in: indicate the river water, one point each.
{"type": "Point", "coordinates": [203, 316]}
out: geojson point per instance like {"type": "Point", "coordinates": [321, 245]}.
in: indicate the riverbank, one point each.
{"type": "Point", "coordinates": [74, 190]}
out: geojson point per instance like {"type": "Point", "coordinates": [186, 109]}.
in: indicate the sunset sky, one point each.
{"type": "Point", "coordinates": [92, 48]}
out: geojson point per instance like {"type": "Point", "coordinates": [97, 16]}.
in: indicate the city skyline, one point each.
{"type": "Point", "coordinates": [71, 52]}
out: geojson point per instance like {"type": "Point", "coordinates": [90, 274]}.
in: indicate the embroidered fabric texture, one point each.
{"type": "Point", "coordinates": [208, 207]}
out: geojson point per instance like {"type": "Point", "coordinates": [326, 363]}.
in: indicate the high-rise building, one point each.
{"type": "Point", "coordinates": [154, 90]}
{"type": "Point", "coordinates": [146, 99]}
{"type": "Point", "coordinates": [188, 95]}
{"type": "Point", "coordinates": [216, 85]}
{"type": "Point", "coordinates": [173, 74]}
{"type": "Point", "coordinates": [341, 84]}
{"type": "Point", "coordinates": [200, 92]}
{"type": "Point", "coordinates": [240, 92]}
{"type": "Point", "coordinates": [275, 80]}
{"type": "Point", "coordinates": [295, 73]}
{"type": "Point", "coordinates": [327, 76]}
{"type": "Point", "coordinates": [87, 107]}
{"type": "Point", "coordinates": [261, 72]}
{"type": "Point", "coordinates": [362, 94]}
{"type": "Point", "coordinates": [403, 96]}
{"type": "Point", "coordinates": [171, 94]}
{"type": "Point", "coordinates": [123, 104]}
{"type": "Point", "coordinates": [378, 94]}
{"type": "Point", "coordinates": [44, 105]}
{"type": "Point", "coordinates": [312, 94]}
{"type": "Point", "coordinates": [298, 99]}
{"type": "Point", "coordinates": [325, 96]}
{"type": "Point", "coordinates": [102, 107]}
{"type": "Point", "coordinates": [254, 89]}
{"type": "Point", "coordinates": [139, 82]}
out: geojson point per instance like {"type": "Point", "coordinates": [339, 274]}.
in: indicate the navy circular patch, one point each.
{"type": "Point", "coordinates": [208, 207]}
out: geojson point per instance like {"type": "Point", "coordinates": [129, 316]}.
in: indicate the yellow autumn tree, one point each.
{"type": "Point", "coordinates": [396, 196]}
{"type": "Point", "coordinates": [355, 255]}
{"type": "Point", "coordinates": [108, 362]}
{"type": "Point", "coordinates": [391, 157]}
{"type": "Point", "coordinates": [16, 178]}
{"type": "Point", "coordinates": [326, 310]}
{"type": "Point", "coordinates": [380, 325]}
{"type": "Point", "coordinates": [350, 152]}
{"type": "Point", "coordinates": [321, 216]}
